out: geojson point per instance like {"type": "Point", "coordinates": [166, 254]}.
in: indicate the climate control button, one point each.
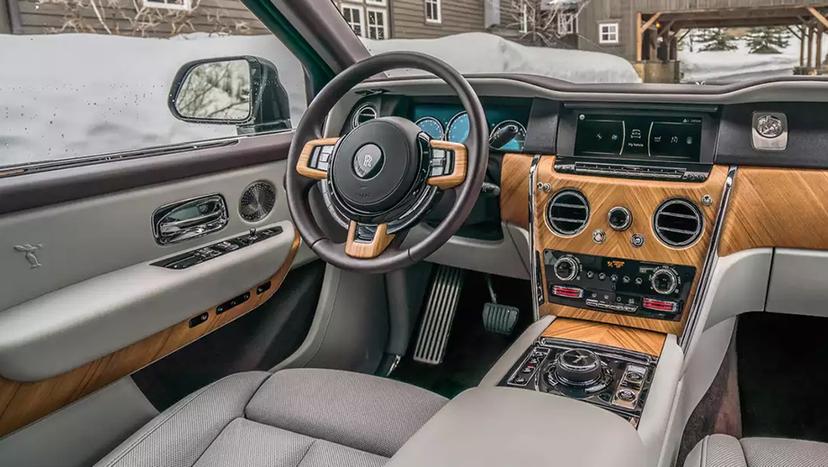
{"type": "Point", "coordinates": [664, 281]}
{"type": "Point", "coordinates": [566, 268]}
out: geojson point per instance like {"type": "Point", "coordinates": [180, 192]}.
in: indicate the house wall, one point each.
{"type": "Point", "coordinates": [228, 16]}
{"type": "Point", "coordinates": [624, 12]}
{"type": "Point", "coordinates": [458, 16]}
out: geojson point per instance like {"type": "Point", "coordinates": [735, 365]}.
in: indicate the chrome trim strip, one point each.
{"type": "Point", "coordinates": [709, 262]}
{"type": "Point", "coordinates": [533, 273]}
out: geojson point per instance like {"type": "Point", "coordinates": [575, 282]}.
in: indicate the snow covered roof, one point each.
{"type": "Point", "coordinates": [478, 52]}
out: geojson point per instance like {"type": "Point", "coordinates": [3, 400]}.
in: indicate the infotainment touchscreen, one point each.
{"type": "Point", "coordinates": [638, 137]}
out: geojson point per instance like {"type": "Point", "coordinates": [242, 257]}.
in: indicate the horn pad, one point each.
{"type": "Point", "coordinates": [376, 165]}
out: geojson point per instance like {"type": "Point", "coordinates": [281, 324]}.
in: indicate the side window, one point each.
{"type": "Point", "coordinates": [86, 78]}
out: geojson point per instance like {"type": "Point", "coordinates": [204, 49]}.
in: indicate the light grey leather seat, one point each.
{"type": "Point", "coordinates": [727, 451]}
{"type": "Point", "coordinates": [300, 417]}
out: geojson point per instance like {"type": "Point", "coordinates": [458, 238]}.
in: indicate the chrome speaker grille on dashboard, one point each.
{"type": "Point", "coordinates": [257, 200]}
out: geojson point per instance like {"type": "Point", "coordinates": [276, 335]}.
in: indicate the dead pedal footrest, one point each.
{"type": "Point", "coordinates": [439, 315]}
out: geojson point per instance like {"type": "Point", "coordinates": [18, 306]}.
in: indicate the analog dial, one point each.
{"type": "Point", "coordinates": [458, 128]}
{"type": "Point", "coordinates": [431, 126]}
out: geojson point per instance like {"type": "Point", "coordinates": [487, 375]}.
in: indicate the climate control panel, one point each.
{"type": "Point", "coordinates": [617, 285]}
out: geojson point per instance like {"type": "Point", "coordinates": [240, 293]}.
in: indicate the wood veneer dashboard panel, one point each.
{"type": "Point", "coordinates": [620, 337]}
{"type": "Point", "coordinates": [770, 207]}
{"type": "Point", "coordinates": [23, 403]}
{"type": "Point", "coordinates": [514, 189]}
{"type": "Point", "coordinates": [642, 198]}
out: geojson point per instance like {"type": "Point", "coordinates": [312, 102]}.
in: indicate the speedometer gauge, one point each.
{"type": "Point", "coordinates": [507, 135]}
{"type": "Point", "coordinates": [431, 126]}
{"type": "Point", "coordinates": [458, 128]}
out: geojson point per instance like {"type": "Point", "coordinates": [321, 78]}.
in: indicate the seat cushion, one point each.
{"type": "Point", "coordinates": [299, 417]}
{"type": "Point", "coordinates": [727, 451]}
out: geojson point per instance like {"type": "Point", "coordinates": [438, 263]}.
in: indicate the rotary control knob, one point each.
{"type": "Point", "coordinates": [619, 218]}
{"type": "Point", "coordinates": [566, 268]}
{"type": "Point", "coordinates": [578, 367]}
{"type": "Point", "coordinates": [664, 281]}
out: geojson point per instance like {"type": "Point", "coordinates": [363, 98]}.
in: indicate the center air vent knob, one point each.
{"type": "Point", "coordinates": [664, 281]}
{"type": "Point", "coordinates": [578, 367]}
{"type": "Point", "coordinates": [566, 268]}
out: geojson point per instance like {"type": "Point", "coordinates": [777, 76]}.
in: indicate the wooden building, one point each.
{"type": "Point", "coordinates": [144, 18]}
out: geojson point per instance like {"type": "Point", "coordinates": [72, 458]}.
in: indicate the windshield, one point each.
{"type": "Point", "coordinates": [602, 41]}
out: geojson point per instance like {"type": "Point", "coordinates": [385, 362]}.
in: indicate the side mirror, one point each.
{"type": "Point", "coordinates": [244, 91]}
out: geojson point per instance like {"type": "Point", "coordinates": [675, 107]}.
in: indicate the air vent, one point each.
{"type": "Point", "coordinates": [257, 201]}
{"type": "Point", "coordinates": [365, 113]}
{"type": "Point", "coordinates": [568, 212]}
{"type": "Point", "coordinates": [678, 222]}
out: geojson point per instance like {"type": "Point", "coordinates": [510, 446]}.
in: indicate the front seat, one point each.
{"type": "Point", "coordinates": [727, 451]}
{"type": "Point", "coordinates": [297, 417]}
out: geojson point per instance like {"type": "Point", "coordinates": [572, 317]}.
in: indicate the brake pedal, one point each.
{"type": "Point", "coordinates": [497, 318]}
{"type": "Point", "coordinates": [439, 315]}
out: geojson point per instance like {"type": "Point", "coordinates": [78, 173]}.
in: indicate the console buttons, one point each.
{"type": "Point", "coordinates": [598, 236]}
{"type": "Point", "coordinates": [232, 303]}
{"type": "Point", "coordinates": [590, 274]}
{"type": "Point", "coordinates": [637, 240]}
{"type": "Point", "coordinates": [666, 306]}
{"type": "Point", "coordinates": [601, 276]}
{"type": "Point", "coordinates": [567, 292]}
{"type": "Point", "coordinates": [625, 279]}
{"type": "Point", "coordinates": [199, 319]}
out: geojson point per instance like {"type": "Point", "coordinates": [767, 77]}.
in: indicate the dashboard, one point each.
{"type": "Point", "coordinates": [629, 194]}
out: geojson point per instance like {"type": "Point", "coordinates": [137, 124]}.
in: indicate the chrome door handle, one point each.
{"type": "Point", "coordinates": [191, 218]}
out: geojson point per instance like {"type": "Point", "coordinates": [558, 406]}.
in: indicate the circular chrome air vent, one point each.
{"type": "Point", "coordinates": [257, 200]}
{"type": "Point", "coordinates": [678, 222]}
{"type": "Point", "coordinates": [567, 213]}
{"type": "Point", "coordinates": [365, 113]}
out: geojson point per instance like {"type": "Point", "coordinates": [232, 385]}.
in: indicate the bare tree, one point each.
{"type": "Point", "coordinates": [135, 18]}
{"type": "Point", "coordinates": [537, 20]}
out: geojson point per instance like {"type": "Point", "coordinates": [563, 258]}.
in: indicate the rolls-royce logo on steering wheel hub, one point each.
{"type": "Point", "coordinates": [368, 161]}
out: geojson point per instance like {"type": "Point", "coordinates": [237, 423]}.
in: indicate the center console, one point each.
{"type": "Point", "coordinates": [613, 379]}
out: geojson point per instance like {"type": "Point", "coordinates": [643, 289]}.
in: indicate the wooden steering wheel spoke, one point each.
{"type": "Point", "coordinates": [364, 243]}
{"type": "Point", "coordinates": [316, 158]}
{"type": "Point", "coordinates": [449, 162]}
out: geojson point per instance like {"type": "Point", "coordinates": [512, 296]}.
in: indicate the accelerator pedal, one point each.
{"type": "Point", "coordinates": [439, 315]}
{"type": "Point", "coordinates": [497, 318]}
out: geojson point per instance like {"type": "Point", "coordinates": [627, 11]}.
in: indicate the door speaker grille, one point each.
{"type": "Point", "coordinates": [678, 222]}
{"type": "Point", "coordinates": [257, 200]}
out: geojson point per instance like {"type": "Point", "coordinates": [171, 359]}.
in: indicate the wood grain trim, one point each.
{"type": "Point", "coordinates": [514, 189]}
{"type": "Point", "coordinates": [636, 340]}
{"type": "Point", "coordinates": [771, 207]}
{"type": "Point", "coordinates": [23, 403]}
{"type": "Point", "coordinates": [642, 198]}
{"type": "Point", "coordinates": [367, 250]}
{"type": "Point", "coordinates": [304, 156]}
{"type": "Point", "coordinates": [461, 161]}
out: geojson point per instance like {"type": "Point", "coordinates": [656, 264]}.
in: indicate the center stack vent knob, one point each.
{"type": "Point", "coordinates": [578, 367]}
{"type": "Point", "coordinates": [566, 268]}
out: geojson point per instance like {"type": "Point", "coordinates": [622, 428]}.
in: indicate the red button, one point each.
{"type": "Point", "coordinates": [567, 292]}
{"type": "Point", "coordinates": [660, 305]}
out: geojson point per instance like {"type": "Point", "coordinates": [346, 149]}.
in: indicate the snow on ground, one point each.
{"type": "Point", "coordinates": [734, 65]}
{"type": "Point", "coordinates": [68, 95]}
{"type": "Point", "coordinates": [478, 52]}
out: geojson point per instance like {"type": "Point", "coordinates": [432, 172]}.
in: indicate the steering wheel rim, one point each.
{"type": "Point", "coordinates": [300, 178]}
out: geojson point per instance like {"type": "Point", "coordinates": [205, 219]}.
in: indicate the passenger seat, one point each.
{"type": "Point", "coordinates": [727, 451]}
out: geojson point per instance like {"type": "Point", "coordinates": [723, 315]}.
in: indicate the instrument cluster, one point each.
{"type": "Point", "coordinates": [507, 135]}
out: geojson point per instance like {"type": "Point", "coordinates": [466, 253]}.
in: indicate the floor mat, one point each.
{"type": "Point", "coordinates": [782, 377]}
{"type": "Point", "coordinates": [471, 351]}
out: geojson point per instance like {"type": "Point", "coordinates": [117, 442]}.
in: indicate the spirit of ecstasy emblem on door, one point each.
{"type": "Point", "coordinates": [29, 251]}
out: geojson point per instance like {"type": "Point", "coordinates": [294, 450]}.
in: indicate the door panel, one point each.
{"type": "Point", "coordinates": [96, 308]}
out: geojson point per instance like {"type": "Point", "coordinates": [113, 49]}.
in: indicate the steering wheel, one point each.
{"type": "Point", "coordinates": [382, 177]}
